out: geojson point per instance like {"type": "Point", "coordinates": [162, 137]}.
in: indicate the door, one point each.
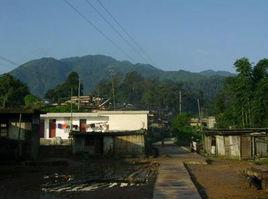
{"type": "Point", "coordinates": [245, 147]}
{"type": "Point", "coordinates": [83, 125]}
{"type": "Point", "coordinates": [52, 128]}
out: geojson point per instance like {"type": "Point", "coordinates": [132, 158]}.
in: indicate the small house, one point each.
{"type": "Point", "coordinates": [237, 143]}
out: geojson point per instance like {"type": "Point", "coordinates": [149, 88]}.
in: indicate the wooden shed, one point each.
{"type": "Point", "coordinates": [19, 133]}
{"type": "Point", "coordinates": [125, 143]}
{"type": "Point", "coordinates": [237, 143]}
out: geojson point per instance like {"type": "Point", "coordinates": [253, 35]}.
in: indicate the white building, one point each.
{"type": "Point", "coordinates": [101, 132]}
{"type": "Point", "coordinates": [59, 124]}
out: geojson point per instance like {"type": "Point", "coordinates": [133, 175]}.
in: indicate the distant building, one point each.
{"type": "Point", "coordinates": [87, 101]}
{"type": "Point", "coordinates": [100, 132]}
{"type": "Point", "coordinates": [207, 122]}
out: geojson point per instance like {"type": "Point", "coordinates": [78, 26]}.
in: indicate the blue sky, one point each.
{"type": "Point", "coordinates": [191, 35]}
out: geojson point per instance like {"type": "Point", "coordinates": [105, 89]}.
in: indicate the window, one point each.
{"type": "Point", "coordinates": [3, 129]}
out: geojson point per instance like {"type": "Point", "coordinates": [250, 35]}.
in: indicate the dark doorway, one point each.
{"type": "Point", "coordinates": [83, 125]}
{"type": "Point", "coordinates": [52, 128]}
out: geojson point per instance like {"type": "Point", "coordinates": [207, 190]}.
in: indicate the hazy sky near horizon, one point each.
{"type": "Point", "coordinates": [191, 35]}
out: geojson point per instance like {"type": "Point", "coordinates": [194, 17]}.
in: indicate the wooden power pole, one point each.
{"type": "Point", "coordinates": [79, 88]}
{"type": "Point", "coordinates": [180, 102]}
{"type": "Point", "coordinates": [199, 110]}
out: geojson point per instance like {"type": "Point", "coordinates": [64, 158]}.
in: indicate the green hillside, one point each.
{"type": "Point", "coordinates": [43, 74]}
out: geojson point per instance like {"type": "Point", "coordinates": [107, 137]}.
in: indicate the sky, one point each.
{"type": "Point", "coordinates": [191, 35]}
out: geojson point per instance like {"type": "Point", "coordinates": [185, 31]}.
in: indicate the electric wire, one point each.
{"type": "Point", "coordinates": [117, 32]}
{"type": "Point", "coordinates": [125, 31]}
{"type": "Point", "coordinates": [97, 29]}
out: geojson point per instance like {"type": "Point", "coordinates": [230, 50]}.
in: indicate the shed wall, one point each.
{"type": "Point", "coordinates": [234, 146]}
{"type": "Point", "coordinates": [245, 147]}
{"type": "Point", "coordinates": [220, 145]}
{"type": "Point", "coordinates": [129, 145]}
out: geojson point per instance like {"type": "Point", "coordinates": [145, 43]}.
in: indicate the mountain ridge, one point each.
{"type": "Point", "coordinates": [45, 73]}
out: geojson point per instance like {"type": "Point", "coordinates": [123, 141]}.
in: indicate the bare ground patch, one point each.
{"type": "Point", "coordinates": [223, 179]}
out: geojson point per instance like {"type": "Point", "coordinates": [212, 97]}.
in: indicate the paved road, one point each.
{"type": "Point", "coordinates": [173, 180]}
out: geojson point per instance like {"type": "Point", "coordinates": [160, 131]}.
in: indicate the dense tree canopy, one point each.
{"type": "Point", "coordinates": [62, 92]}
{"type": "Point", "coordinates": [32, 101]}
{"type": "Point", "coordinates": [243, 102]}
{"type": "Point", "coordinates": [182, 129]}
{"type": "Point", "coordinates": [147, 93]}
{"type": "Point", "coordinates": [12, 92]}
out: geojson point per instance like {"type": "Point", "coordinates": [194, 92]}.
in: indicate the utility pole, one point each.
{"type": "Point", "coordinates": [113, 92]}
{"type": "Point", "coordinates": [71, 110]}
{"type": "Point", "coordinates": [199, 111]}
{"type": "Point", "coordinates": [79, 88]}
{"type": "Point", "coordinates": [180, 102]}
{"type": "Point", "coordinates": [19, 137]}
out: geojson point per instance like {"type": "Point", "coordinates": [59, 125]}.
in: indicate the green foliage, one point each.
{"type": "Point", "coordinates": [62, 92]}
{"type": "Point", "coordinates": [32, 101]}
{"type": "Point", "coordinates": [182, 130]}
{"type": "Point", "coordinates": [243, 101]}
{"type": "Point", "coordinates": [149, 93]}
{"type": "Point", "coordinates": [12, 92]}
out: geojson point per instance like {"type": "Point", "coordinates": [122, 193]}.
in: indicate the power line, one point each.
{"type": "Point", "coordinates": [97, 29]}
{"type": "Point", "coordinates": [116, 31]}
{"type": "Point", "coordinates": [8, 60]}
{"type": "Point", "coordinates": [124, 30]}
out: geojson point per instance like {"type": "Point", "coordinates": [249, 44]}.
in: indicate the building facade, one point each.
{"type": "Point", "coordinates": [101, 132]}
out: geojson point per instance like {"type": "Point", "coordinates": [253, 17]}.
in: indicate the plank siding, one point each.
{"type": "Point", "coordinates": [245, 147]}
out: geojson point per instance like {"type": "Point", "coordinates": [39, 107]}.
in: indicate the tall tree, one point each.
{"type": "Point", "coordinates": [243, 100]}
{"type": "Point", "coordinates": [62, 92]}
{"type": "Point", "coordinates": [12, 91]}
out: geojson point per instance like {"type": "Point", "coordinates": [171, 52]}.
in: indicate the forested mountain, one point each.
{"type": "Point", "coordinates": [43, 74]}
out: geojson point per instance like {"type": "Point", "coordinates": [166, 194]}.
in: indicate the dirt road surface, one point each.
{"type": "Point", "coordinates": [223, 179]}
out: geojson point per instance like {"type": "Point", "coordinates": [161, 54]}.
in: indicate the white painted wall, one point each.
{"type": "Point", "coordinates": [220, 145]}
{"type": "Point", "coordinates": [235, 146]}
{"type": "Point", "coordinates": [117, 121]}
{"type": "Point", "coordinates": [64, 133]}
{"type": "Point", "coordinates": [127, 122]}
